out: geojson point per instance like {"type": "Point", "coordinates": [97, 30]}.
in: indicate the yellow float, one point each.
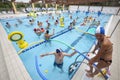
{"type": "Point", "coordinates": [17, 37]}
{"type": "Point", "coordinates": [33, 14]}
{"type": "Point", "coordinates": [62, 22]}
{"type": "Point", "coordinates": [46, 71]}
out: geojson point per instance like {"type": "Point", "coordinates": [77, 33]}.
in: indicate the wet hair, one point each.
{"type": "Point", "coordinates": [30, 20]}
{"type": "Point", "coordinates": [35, 29]}
{"type": "Point", "coordinates": [58, 51]}
{"type": "Point", "coordinates": [47, 31]}
{"type": "Point", "coordinates": [7, 23]}
{"type": "Point", "coordinates": [42, 28]}
{"type": "Point", "coordinates": [56, 20]}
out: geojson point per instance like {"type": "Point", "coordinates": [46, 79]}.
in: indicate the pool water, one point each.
{"type": "Point", "coordinates": [42, 68]}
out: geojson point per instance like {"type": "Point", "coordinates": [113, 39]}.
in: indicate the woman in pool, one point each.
{"type": "Point", "coordinates": [39, 24]}
{"type": "Point", "coordinates": [37, 31]}
{"type": "Point", "coordinates": [59, 55]}
{"type": "Point", "coordinates": [56, 22]}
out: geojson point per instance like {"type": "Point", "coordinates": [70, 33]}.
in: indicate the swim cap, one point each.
{"type": "Point", "coordinates": [100, 30]}
{"type": "Point", "coordinates": [58, 51]}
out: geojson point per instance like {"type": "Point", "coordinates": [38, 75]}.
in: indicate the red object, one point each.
{"type": "Point", "coordinates": [35, 29]}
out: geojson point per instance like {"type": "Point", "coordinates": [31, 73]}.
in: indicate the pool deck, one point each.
{"type": "Point", "coordinates": [12, 68]}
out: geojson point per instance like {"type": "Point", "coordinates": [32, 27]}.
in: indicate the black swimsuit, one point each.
{"type": "Point", "coordinates": [106, 60]}
{"type": "Point", "coordinates": [58, 65]}
{"type": "Point", "coordinates": [110, 61]}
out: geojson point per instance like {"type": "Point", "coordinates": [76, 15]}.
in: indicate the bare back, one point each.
{"type": "Point", "coordinates": [47, 36]}
{"type": "Point", "coordinates": [107, 46]}
{"type": "Point", "coordinates": [59, 58]}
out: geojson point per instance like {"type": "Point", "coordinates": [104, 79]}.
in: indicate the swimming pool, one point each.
{"type": "Point", "coordinates": [76, 39]}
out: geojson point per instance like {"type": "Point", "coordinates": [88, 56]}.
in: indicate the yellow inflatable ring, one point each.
{"type": "Point", "coordinates": [15, 36]}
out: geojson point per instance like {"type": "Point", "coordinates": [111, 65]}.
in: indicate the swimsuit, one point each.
{"type": "Point", "coordinates": [58, 65]}
{"type": "Point", "coordinates": [110, 61]}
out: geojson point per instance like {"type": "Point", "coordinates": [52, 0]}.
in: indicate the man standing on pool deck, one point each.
{"type": "Point", "coordinates": [59, 55]}
{"type": "Point", "coordinates": [104, 55]}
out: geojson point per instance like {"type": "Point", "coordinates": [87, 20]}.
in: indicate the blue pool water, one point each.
{"type": "Point", "coordinates": [39, 68]}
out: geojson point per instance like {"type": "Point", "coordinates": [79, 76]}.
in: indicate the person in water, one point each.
{"type": "Point", "coordinates": [8, 25]}
{"type": "Point", "coordinates": [104, 55]}
{"type": "Point", "coordinates": [47, 35]}
{"type": "Point", "coordinates": [37, 31]}
{"type": "Point", "coordinates": [59, 56]}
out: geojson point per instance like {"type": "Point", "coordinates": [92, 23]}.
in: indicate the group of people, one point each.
{"type": "Point", "coordinates": [104, 47]}
{"type": "Point", "coordinates": [87, 19]}
{"type": "Point", "coordinates": [8, 25]}
{"type": "Point", "coordinates": [72, 24]}
{"type": "Point", "coordinates": [95, 23]}
{"type": "Point", "coordinates": [103, 57]}
{"type": "Point", "coordinates": [39, 31]}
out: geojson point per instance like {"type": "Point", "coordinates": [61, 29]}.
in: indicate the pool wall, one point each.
{"type": "Point", "coordinates": [3, 68]}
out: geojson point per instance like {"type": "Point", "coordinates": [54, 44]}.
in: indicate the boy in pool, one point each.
{"type": "Point", "coordinates": [47, 35]}
{"type": "Point", "coordinates": [59, 55]}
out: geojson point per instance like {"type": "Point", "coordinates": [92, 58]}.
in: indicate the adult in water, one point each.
{"type": "Point", "coordinates": [59, 56]}
{"type": "Point", "coordinates": [104, 55]}
{"type": "Point", "coordinates": [47, 35]}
